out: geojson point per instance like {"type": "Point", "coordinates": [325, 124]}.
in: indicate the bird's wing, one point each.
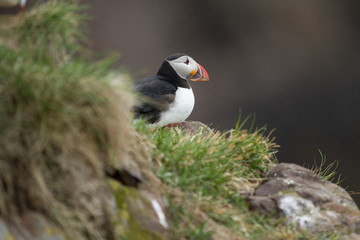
{"type": "Point", "coordinates": [157, 95]}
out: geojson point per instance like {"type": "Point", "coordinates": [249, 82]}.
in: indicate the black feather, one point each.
{"type": "Point", "coordinates": [157, 95]}
{"type": "Point", "coordinates": [159, 91]}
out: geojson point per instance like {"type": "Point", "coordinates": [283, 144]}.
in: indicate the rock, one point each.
{"type": "Point", "coordinates": [140, 214]}
{"type": "Point", "coordinates": [32, 226]}
{"type": "Point", "coordinates": [125, 177]}
{"type": "Point", "coordinates": [149, 211]}
{"type": "Point", "coordinates": [263, 204]}
{"type": "Point", "coordinates": [193, 127]}
{"type": "Point", "coordinates": [352, 236]}
{"type": "Point", "coordinates": [306, 199]}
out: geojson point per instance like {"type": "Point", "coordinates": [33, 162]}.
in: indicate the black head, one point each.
{"type": "Point", "coordinates": [179, 68]}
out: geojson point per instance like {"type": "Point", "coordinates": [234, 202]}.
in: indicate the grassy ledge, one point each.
{"type": "Point", "coordinates": [65, 118]}
{"type": "Point", "coordinates": [208, 175]}
{"type": "Point", "coordinates": [216, 166]}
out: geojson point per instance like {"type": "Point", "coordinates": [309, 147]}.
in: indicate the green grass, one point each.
{"type": "Point", "coordinates": [218, 165]}
{"type": "Point", "coordinates": [182, 219]}
{"type": "Point", "coordinates": [326, 171]}
{"type": "Point", "coordinates": [52, 126]}
{"type": "Point", "coordinates": [212, 170]}
{"type": "Point", "coordinates": [209, 173]}
{"type": "Point", "coordinates": [62, 117]}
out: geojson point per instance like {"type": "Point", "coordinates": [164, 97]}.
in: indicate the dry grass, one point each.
{"type": "Point", "coordinates": [63, 120]}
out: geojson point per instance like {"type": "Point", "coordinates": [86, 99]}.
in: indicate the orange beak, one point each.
{"type": "Point", "coordinates": [200, 75]}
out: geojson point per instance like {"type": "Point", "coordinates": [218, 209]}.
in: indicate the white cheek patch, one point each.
{"type": "Point", "coordinates": [182, 69]}
{"type": "Point", "coordinates": [179, 69]}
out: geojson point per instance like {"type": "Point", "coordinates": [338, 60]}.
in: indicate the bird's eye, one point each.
{"type": "Point", "coordinates": [187, 61]}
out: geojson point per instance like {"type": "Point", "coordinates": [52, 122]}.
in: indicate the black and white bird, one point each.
{"type": "Point", "coordinates": [12, 3]}
{"type": "Point", "coordinates": [167, 97]}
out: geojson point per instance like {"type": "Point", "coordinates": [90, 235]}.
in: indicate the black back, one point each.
{"type": "Point", "coordinates": [159, 91]}
{"type": "Point", "coordinates": [157, 95]}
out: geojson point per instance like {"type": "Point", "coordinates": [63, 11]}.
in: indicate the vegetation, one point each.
{"type": "Point", "coordinates": [65, 118]}
{"type": "Point", "coordinates": [210, 173]}
{"type": "Point", "coordinates": [327, 172]}
{"type": "Point", "coordinates": [54, 138]}
{"type": "Point", "coordinates": [216, 166]}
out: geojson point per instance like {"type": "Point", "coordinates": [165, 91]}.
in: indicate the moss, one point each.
{"type": "Point", "coordinates": [9, 237]}
{"type": "Point", "coordinates": [126, 226]}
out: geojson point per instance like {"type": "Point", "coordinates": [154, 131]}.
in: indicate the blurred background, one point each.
{"type": "Point", "coordinates": [296, 64]}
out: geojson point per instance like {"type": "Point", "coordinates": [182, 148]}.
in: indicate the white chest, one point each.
{"type": "Point", "coordinates": [180, 109]}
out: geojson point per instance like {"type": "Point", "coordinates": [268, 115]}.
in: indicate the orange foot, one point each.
{"type": "Point", "coordinates": [172, 125]}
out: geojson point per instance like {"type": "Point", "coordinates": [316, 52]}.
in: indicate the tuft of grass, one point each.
{"type": "Point", "coordinates": [327, 172]}
{"type": "Point", "coordinates": [213, 170]}
{"type": "Point", "coordinates": [217, 165]}
{"type": "Point", "coordinates": [49, 33]}
{"type": "Point", "coordinates": [209, 173]}
{"type": "Point", "coordinates": [181, 218]}
{"type": "Point", "coordinates": [63, 120]}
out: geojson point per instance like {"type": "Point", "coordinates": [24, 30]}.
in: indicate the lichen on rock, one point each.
{"type": "Point", "coordinates": [139, 215]}
{"type": "Point", "coordinates": [306, 199]}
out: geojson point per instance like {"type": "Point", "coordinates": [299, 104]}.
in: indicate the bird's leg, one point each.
{"type": "Point", "coordinates": [172, 125]}
{"type": "Point", "coordinates": [22, 6]}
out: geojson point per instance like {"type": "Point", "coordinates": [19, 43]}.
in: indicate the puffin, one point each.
{"type": "Point", "coordinates": [167, 98]}
{"type": "Point", "coordinates": [12, 3]}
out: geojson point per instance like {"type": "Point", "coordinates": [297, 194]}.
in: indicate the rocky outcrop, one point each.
{"type": "Point", "coordinates": [131, 201]}
{"type": "Point", "coordinates": [306, 199]}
